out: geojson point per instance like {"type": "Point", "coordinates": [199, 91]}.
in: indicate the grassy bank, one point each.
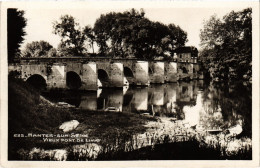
{"type": "Point", "coordinates": [122, 136]}
{"type": "Point", "coordinates": [185, 150]}
{"type": "Point", "coordinates": [190, 149]}
{"type": "Point", "coordinates": [29, 112]}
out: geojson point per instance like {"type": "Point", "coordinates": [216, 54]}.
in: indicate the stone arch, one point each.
{"type": "Point", "coordinates": [150, 71]}
{"type": "Point", "coordinates": [103, 77]}
{"type": "Point", "coordinates": [73, 80]}
{"type": "Point", "coordinates": [37, 81]}
{"type": "Point", "coordinates": [184, 70]}
{"type": "Point", "coordinates": [14, 73]}
{"type": "Point", "coordinates": [128, 76]}
{"type": "Point", "coordinates": [127, 99]}
{"type": "Point", "coordinates": [128, 72]}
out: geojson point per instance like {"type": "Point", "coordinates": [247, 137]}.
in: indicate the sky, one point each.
{"type": "Point", "coordinates": [40, 20]}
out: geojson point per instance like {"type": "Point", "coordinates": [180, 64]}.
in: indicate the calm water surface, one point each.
{"type": "Point", "coordinates": [218, 116]}
{"type": "Point", "coordinates": [208, 106]}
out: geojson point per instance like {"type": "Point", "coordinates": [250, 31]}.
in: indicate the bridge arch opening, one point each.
{"type": "Point", "coordinates": [150, 71]}
{"type": "Point", "coordinates": [127, 99]}
{"type": "Point", "coordinates": [184, 70]}
{"type": "Point", "coordinates": [103, 77]}
{"type": "Point", "coordinates": [128, 72]}
{"type": "Point", "coordinates": [37, 81]}
{"type": "Point", "coordinates": [73, 80]}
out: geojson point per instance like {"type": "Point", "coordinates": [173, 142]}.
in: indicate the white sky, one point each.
{"type": "Point", "coordinates": [39, 20]}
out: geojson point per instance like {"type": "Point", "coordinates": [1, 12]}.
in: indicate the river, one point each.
{"type": "Point", "coordinates": [211, 106]}
{"type": "Point", "coordinates": [215, 114]}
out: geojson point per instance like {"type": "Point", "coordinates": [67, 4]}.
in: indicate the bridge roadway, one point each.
{"type": "Point", "coordinates": [89, 73]}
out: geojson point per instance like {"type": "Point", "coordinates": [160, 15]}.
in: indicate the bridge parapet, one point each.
{"type": "Point", "coordinates": [39, 60]}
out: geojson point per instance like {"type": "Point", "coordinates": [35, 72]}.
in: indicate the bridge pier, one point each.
{"type": "Point", "coordinates": [89, 76]}
{"type": "Point", "coordinates": [141, 73]}
{"type": "Point", "coordinates": [110, 74]}
{"type": "Point", "coordinates": [185, 71]}
{"type": "Point", "coordinates": [56, 76]}
{"type": "Point", "coordinates": [156, 72]}
{"type": "Point", "coordinates": [170, 71]}
{"type": "Point", "coordinates": [116, 75]}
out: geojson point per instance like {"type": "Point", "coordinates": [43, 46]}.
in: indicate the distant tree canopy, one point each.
{"type": "Point", "coordinates": [132, 34]}
{"type": "Point", "coordinates": [38, 49]}
{"type": "Point", "coordinates": [120, 34]}
{"type": "Point", "coordinates": [227, 46]}
{"type": "Point", "coordinates": [89, 33]}
{"type": "Point", "coordinates": [15, 32]}
{"type": "Point", "coordinates": [73, 37]}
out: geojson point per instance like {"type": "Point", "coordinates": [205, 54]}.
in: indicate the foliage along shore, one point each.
{"type": "Point", "coordinates": [31, 113]}
{"type": "Point", "coordinates": [28, 112]}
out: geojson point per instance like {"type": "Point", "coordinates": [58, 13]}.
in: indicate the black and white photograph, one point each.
{"type": "Point", "coordinates": [88, 81]}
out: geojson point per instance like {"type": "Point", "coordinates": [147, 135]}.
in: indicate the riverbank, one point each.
{"type": "Point", "coordinates": [31, 113]}
{"type": "Point", "coordinates": [109, 135]}
{"type": "Point", "coordinates": [163, 139]}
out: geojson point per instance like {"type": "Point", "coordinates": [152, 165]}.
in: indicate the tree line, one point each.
{"type": "Point", "coordinates": [227, 46]}
{"type": "Point", "coordinates": [15, 32]}
{"type": "Point", "coordinates": [116, 34]}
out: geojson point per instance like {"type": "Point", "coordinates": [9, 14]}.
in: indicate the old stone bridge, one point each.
{"type": "Point", "coordinates": [88, 73]}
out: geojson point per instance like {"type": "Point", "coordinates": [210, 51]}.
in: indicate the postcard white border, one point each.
{"type": "Point", "coordinates": [130, 4]}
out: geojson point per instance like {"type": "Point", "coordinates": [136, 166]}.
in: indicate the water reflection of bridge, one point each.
{"type": "Point", "coordinates": [201, 106]}
{"type": "Point", "coordinates": [166, 99]}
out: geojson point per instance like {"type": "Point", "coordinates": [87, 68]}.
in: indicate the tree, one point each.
{"type": "Point", "coordinates": [72, 36]}
{"type": "Point", "coordinates": [178, 37]}
{"type": "Point", "coordinates": [52, 53]}
{"type": "Point", "coordinates": [132, 34]}
{"type": "Point", "coordinates": [121, 34]}
{"type": "Point", "coordinates": [38, 49]}
{"type": "Point", "coordinates": [88, 31]}
{"type": "Point", "coordinates": [15, 32]}
{"type": "Point", "coordinates": [227, 46]}
{"type": "Point", "coordinates": [102, 29]}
